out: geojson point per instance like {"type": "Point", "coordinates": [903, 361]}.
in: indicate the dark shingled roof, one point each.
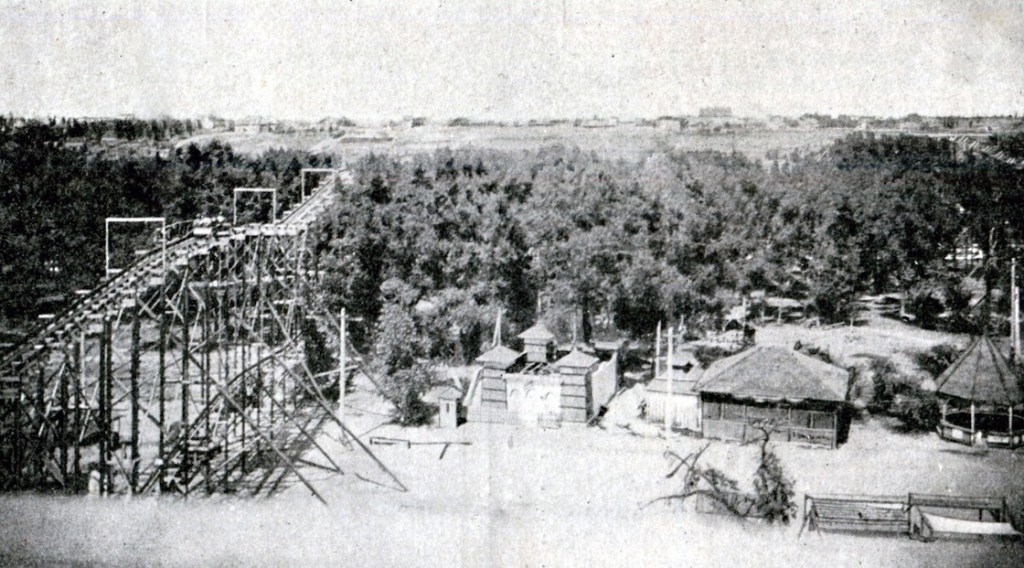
{"type": "Point", "coordinates": [498, 356]}
{"type": "Point", "coordinates": [775, 373]}
{"type": "Point", "coordinates": [981, 374]}
{"type": "Point", "coordinates": [537, 333]}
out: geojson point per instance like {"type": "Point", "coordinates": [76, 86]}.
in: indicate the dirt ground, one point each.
{"type": "Point", "coordinates": [875, 335]}
{"type": "Point", "coordinates": [522, 496]}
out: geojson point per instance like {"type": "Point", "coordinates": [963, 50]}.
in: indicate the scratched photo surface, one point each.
{"type": "Point", "coordinates": [531, 283]}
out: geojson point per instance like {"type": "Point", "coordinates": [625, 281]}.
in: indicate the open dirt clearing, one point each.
{"type": "Point", "coordinates": [523, 497]}
{"type": "Point", "coordinates": [519, 496]}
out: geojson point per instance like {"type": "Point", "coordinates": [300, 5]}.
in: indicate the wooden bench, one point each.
{"type": "Point", "coordinates": [994, 506]}
{"type": "Point", "coordinates": [856, 513]}
{"type": "Point", "coordinates": [933, 516]}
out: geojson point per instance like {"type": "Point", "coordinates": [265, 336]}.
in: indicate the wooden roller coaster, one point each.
{"type": "Point", "coordinates": [184, 372]}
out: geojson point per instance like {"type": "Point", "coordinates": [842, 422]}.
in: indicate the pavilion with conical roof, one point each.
{"type": "Point", "coordinates": [984, 391]}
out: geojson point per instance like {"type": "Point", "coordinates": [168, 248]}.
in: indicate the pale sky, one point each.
{"type": "Point", "coordinates": [509, 60]}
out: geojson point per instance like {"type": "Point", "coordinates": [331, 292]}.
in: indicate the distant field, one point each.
{"type": "Point", "coordinates": [627, 142]}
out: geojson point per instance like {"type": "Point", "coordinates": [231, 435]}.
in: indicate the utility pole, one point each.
{"type": "Point", "coordinates": [657, 350]}
{"type": "Point", "coordinates": [342, 366]}
{"type": "Point", "coordinates": [669, 406]}
{"type": "Point", "coordinates": [1014, 311]}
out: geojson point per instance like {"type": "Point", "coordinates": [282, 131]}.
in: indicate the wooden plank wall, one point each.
{"type": "Point", "coordinates": [575, 397]}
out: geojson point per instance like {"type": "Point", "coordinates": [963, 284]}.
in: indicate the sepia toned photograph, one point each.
{"type": "Point", "coordinates": [526, 283]}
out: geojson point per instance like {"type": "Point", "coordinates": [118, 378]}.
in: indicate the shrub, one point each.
{"type": "Point", "coordinates": [405, 388]}
{"type": "Point", "coordinates": [937, 359]}
{"type": "Point", "coordinates": [398, 360]}
{"type": "Point", "coordinates": [926, 308]}
{"type": "Point", "coordinates": [896, 396]}
{"type": "Point", "coordinates": [917, 409]}
{"type": "Point", "coordinates": [888, 382]}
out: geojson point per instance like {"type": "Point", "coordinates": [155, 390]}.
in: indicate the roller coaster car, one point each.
{"type": "Point", "coordinates": [206, 226]}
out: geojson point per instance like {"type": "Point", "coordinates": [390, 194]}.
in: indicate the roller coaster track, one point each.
{"type": "Point", "coordinates": [184, 372]}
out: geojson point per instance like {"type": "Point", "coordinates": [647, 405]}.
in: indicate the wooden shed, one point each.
{"type": "Point", "coordinates": [671, 396]}
{"type": "Point", "coordinates": [804, 397]}
{"type": "Point", "coordinates": [448, 403]}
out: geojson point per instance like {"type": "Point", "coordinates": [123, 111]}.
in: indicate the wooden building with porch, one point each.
{"type": "Point", "coordinates": [804, 397]}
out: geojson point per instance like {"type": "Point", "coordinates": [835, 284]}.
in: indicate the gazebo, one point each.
{"type": "Point", "coordinates": [983, 391]}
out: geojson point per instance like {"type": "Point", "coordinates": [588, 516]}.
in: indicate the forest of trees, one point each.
{"type": "Point", "coordinates": [450, 238]}
{"type": "Point", "coordinates": [678, 236]}
{"type": "Point", "coordinates": [56, 195]}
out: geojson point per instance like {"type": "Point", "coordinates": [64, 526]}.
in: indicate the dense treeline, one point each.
{"type": "Point", "coordinates": [456, 236]}
{"type": "Point", "coordinates": [56, 196]}
{"type": "Point", "coordinates": [95, 130]}
{"type": "Point", "coordinates": [453, 237]}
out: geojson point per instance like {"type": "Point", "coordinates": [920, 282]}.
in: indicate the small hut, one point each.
{"type": "Point", "coordinates": [980, 399]}
{"type": "Point", "coordinates": [804, 397]}
{"type": "Point", "coordinates": [448, 407]}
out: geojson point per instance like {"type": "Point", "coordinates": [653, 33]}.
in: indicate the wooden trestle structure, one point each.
{"type": "Point", "coordinates": [183, 373]}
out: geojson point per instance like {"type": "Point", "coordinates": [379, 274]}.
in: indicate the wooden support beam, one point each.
{"type": "Point", "coordinates": [161, 393]}
{"type": "Point", "coordinates": [104, 410]}
{"type": "Point", "coordinates": [185, 429]}
{"type": "Point", "coordinates": [63, 423]}
{"type": "Point", "coordinates": [133, 481]}
{"type": "Point", "coordinates": [318, 397]}
{"type": "Point", "coordinates": [288, 416]}
{"type": "Point", "coordinates": [206, 377]}
{"type": "Point", "coordinates": [288, 463]}
{"type": "Point", "coordinates": [39, 444]}
{"type": "Point", "coordinates": [79, 377]}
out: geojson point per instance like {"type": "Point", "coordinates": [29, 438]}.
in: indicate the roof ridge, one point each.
{"type": "Point", "coordinates": [1008, 389]}
{"type": "Point", "coordinates": [803, 359]}
{"type": "Point", "coordinates": [948, 373]}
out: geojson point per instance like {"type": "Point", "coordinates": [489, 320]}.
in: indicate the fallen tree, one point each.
{"type": "Point", "coordinates": [773, 496]}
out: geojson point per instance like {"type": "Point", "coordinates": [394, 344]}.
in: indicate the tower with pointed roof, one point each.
{"type": "Point", "coordinates": [538, 342]}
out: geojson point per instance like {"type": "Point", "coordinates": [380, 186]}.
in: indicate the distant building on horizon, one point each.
{"type": "Point", "coordinates": [715, 112]}
{"type": "Point", "coordinates": [670, 123]}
